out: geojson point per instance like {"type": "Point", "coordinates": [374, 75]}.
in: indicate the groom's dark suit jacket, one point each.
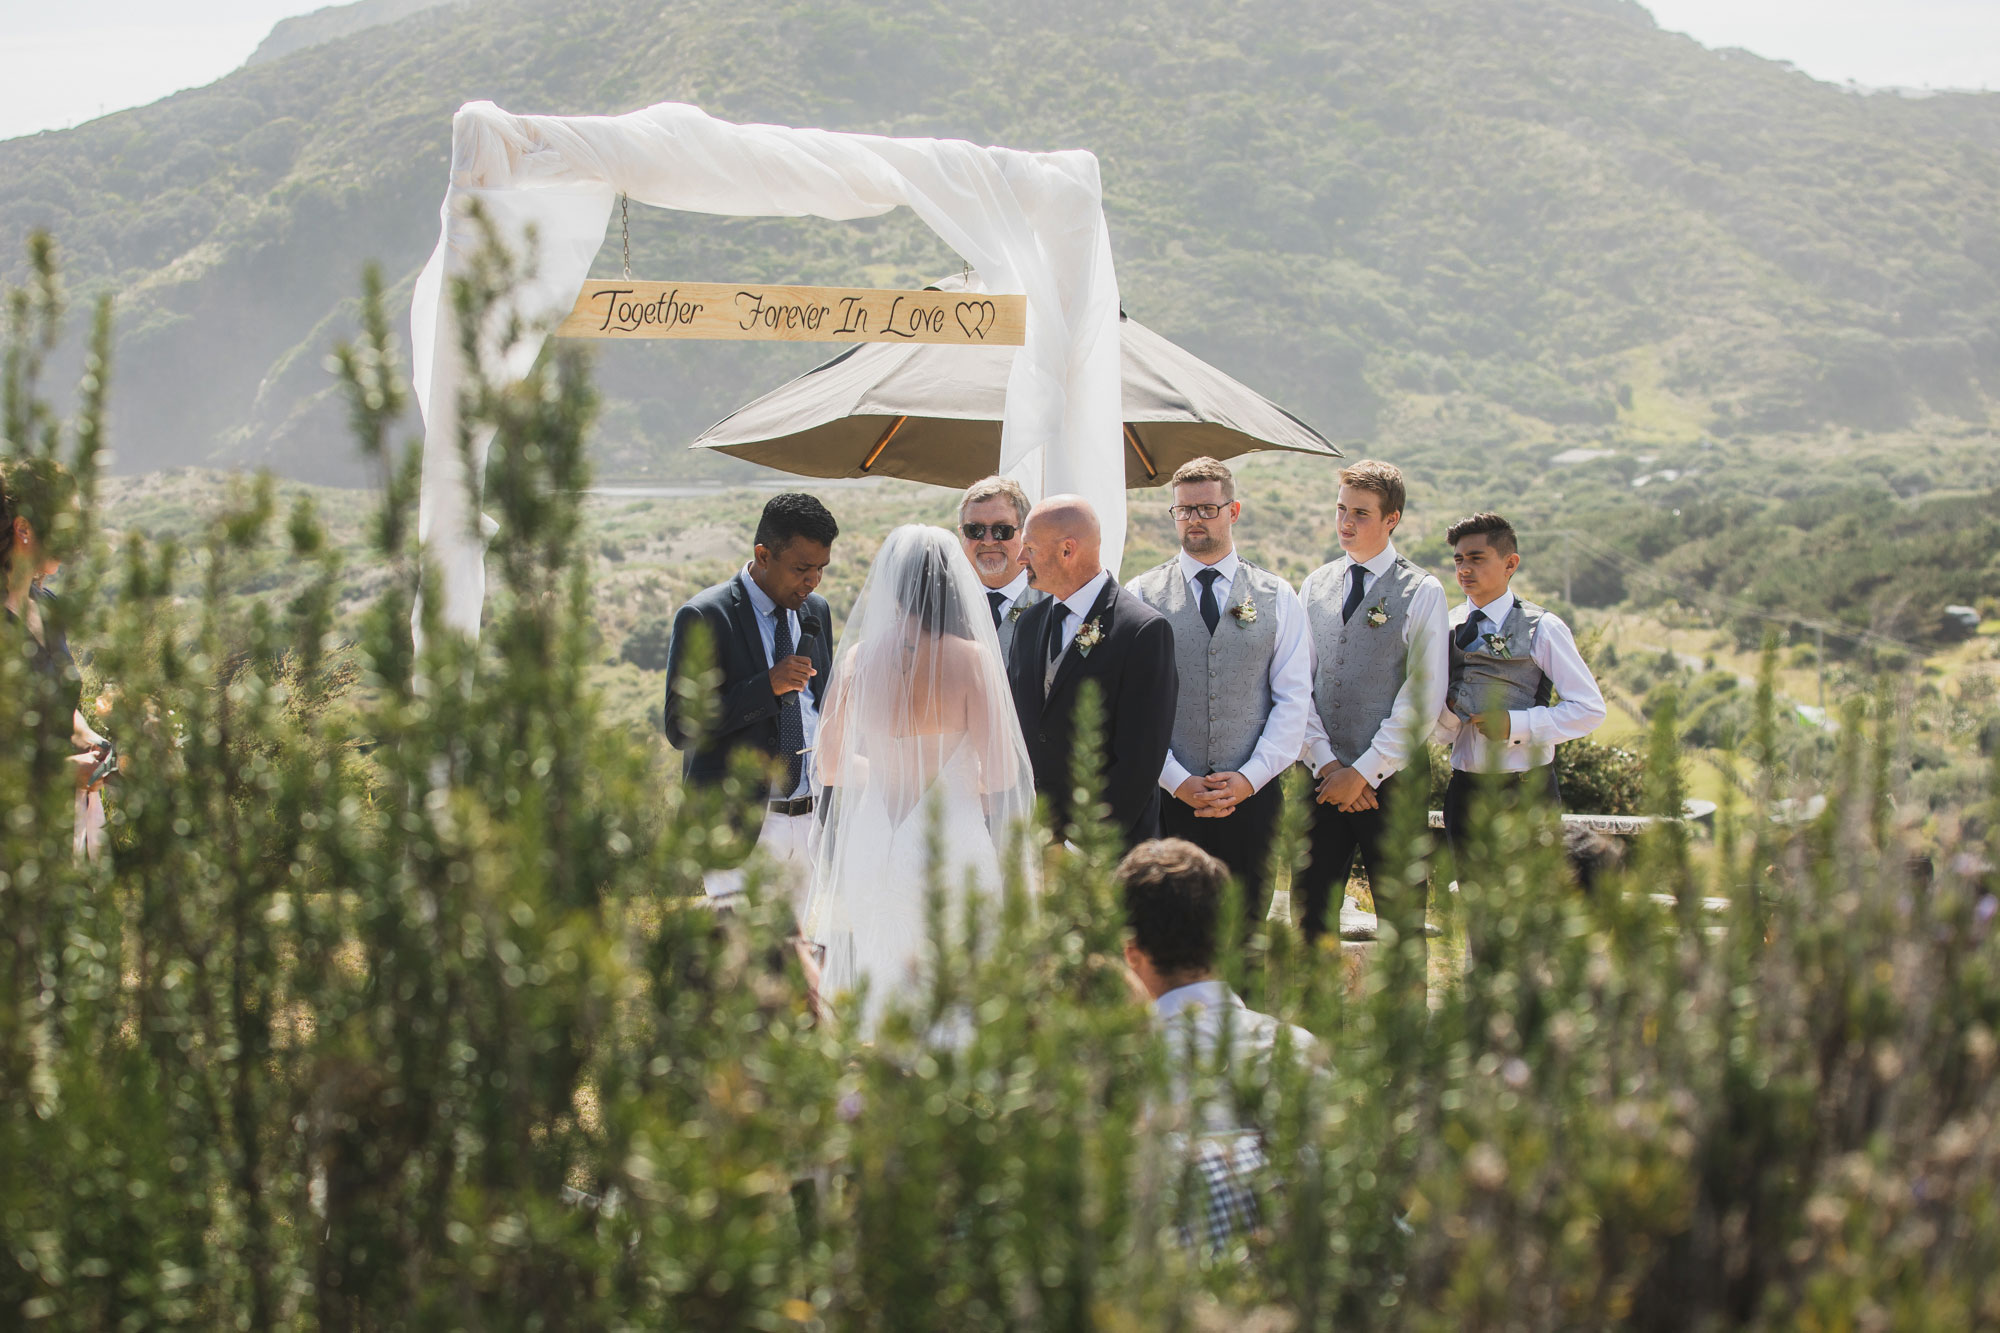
{"type": "Point", "coordinates": [1139, 687]}
{"type": "Point", "coordinates": [741, 711]}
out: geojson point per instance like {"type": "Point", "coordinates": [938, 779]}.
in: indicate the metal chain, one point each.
{"type": "Point", "coordinates": [625, 226]}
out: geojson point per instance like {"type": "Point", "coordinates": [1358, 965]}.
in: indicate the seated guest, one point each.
{"type": "Point", "coordinates": [1173, 897]}
{"type": "Point", "coordinates": [1518, 685]}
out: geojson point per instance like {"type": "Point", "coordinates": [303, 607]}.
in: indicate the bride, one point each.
{"type": "Point", "coordinates": [918, 734]}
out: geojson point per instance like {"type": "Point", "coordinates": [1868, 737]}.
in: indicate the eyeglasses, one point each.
{"type": "Point", "coordinates": [976, 532]}
{"type": "Point", "coordinates": [1182, 513]}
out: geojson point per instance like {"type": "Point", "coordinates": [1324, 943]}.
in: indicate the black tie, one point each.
{"type": "Point", "coordinates": [1469, 630]}
{"type": "Point", "coordinates": [791, 717]}
{"type": "Point", "coordinates": [1353, 602]}
{"type": "Point", "coordinates": [994, 599]}
{"type": "Point", "coordinates": [1061, 613]}
{"type": "Point", "coordinates": [1210, 612]}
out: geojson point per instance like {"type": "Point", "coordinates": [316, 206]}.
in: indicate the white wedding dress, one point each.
{"type": "Point", "coordinates": [920, 768]}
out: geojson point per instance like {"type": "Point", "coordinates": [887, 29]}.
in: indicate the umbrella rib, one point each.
{"type": "Point", "coordinates": [883, 443]}
{"type": "Point", "coordinates": [1132, 438]}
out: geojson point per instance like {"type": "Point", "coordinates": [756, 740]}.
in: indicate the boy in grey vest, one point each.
{"type": "Point", "coordinates": [1518, 684]}
{"type": "Point", "coordinates": [991, 516]}
{"type": "Point", "coordinates": [1246, 683]}
{"type": "Point", "coordinates": [1377, 628]}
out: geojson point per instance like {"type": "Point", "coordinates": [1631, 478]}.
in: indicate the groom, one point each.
{"type": "Point", "coordinates": [768, 640]}
{"type": "Point", "coordinates": [1090, 629]}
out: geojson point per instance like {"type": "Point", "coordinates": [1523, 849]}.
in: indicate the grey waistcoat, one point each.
{"type": "Point", "coordinates": [1497, 672]}
{"type": "Point", "coordinates": [1360, 665]}
{"type": "Point", "coordinates": [1225, 677]}
{"type": "Point", "coordinates": [1012, 616]}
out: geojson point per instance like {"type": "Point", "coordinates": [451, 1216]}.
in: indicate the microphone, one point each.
{"type": "Point", "coordinates": [808, 640]}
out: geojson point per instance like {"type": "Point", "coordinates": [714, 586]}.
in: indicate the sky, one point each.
{"type": "Point", "coordinates": [63, 62]}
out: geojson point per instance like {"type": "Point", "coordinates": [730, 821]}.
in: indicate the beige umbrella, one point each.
{"type": "Point", "coordinates": [931, 413]}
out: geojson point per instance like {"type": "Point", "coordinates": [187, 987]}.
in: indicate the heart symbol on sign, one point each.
{"type": "Point", "coordinates": [984, 315]}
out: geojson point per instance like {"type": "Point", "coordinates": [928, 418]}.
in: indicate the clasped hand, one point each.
{"type": "Point", "coordinates": [1345, 789]}
{"type": "Point", "coordinates": [1216, 795]}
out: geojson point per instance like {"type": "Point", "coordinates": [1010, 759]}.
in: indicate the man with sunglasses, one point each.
{"type": "Point", "coordinates": [991, 516]}
{"type": "Point", "coordinates": [1245, 664]}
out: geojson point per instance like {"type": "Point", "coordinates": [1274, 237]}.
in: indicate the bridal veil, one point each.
{"type": "Point", "coordinates": [920, 770]}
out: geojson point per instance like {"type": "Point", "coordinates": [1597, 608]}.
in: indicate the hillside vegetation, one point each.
{"type": "Point", "coordinates": [1457, 223]}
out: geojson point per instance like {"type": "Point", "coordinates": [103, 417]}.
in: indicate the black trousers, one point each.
{"type": "Point", "coordinates": [1509, 791]}
{"type": "Point", "coordinates": [1240, 840]}
{"type": "Point", "coordinates": [1337, 837]}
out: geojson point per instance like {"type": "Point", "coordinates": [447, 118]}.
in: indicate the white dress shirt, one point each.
{"type": "Point", "coordinates": [1079, 604]}
{"type": "Point", "coordinates": [1010, 593]}
{"type": "Point", "coordinates": [1532, 733]}
{"type": "Point", "coordinates": [1427, 677]}
{"type": "Point", "coordinates": [767, 630]}
{"type": "Point", "coordinates": [1192, 1018]}
{"type": "Point", "coordinates": [1291, 682]}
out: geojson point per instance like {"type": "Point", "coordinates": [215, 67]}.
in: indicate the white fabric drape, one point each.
{"type": "Point", "coordinates": [1031, 223]}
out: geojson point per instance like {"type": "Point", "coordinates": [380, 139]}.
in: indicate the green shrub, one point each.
{"type": "Point", "coordinates": [395, 1006]}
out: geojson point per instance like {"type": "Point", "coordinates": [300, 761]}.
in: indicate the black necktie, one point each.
{"type": "Point", "coordinates": [1353, 603]}
{"type": "Point", "coordinates": [1061, 613]}
{"type": "Point", "coordinates": [791, 717]}
{"type": "Point", "coordinates": [1210, 612]}
{"type": "Point", "coordinates": [1469, 630]}
{"type": "Point", "coordinates": [994, 599]}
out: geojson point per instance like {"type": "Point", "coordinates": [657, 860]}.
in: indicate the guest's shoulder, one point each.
{"type": "Point", "coordinates": [1135, 608]}
{"type": "Point", "coordinates": [715, 597]}
{"type": "Point", "coordinates": [1330, 570]}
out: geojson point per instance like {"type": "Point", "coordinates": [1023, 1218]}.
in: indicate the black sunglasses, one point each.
{"type": "Point", "coordinates": [976, 532]}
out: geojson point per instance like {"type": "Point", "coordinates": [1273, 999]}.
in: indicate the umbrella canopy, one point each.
{"type": "Point", "coordinates": [932, 413]}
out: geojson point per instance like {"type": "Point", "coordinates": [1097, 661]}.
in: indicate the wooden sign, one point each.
{"type": "Point", "coordinates": [633, 309]}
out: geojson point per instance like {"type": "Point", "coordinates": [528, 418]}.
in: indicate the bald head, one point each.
{"type": "Point", "coordinates": [1060, 545]}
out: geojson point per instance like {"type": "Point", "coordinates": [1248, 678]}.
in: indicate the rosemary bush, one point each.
{"type": "Point", "coordinates": [393, 1006]}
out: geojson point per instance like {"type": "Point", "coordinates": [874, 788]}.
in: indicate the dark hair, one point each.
{"type": "Point", "coordinates": [1385, 479]}
{"type": "Point", "coordinates": [937, 606]}
{"type": "Point", "coordinates": [795, 514]}
{"type": "Point", "coordinates": [1593, 858]}
{"type": "Point", "coordinates": [1498, 532]}
{"type": "Point", "coordinates": [1173, 897]}
{"type": "Point", "coordinates": [42, 491]}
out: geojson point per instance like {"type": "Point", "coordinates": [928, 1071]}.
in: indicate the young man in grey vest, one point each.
{"type": "Point", "coordinates": [1377, 626]}
{"type": "Point", "coordinates": [1518, 685]}
{"type": "Point", "coordinates": [1246, 683]}
{"type": "Point", "coordinates": [991, 516]}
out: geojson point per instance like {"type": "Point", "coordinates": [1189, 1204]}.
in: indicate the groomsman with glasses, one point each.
{"type": "Point", "coordinates": [1377, 625]}
{"type": "Point", "coordinates": [1245, 666]}
{"type": "Point", "coordinates": [991, 516]}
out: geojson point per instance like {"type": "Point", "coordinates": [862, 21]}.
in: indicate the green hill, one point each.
{"type": "Point", "coordinates": [1461, 222]}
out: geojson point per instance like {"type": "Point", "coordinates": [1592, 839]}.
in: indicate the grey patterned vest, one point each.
{"type": "Point", "coordinates": [1360, 665]}
{"type": "Point", "coordinates": [1012, 617]}
{"type": "Point", "coordinates": [1225, 677]}
{"type": "Point", "coordinates": [1498, 672]}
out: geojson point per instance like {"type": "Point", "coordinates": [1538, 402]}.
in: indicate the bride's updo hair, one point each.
{"type": "Point", "coordinates": [931, 596]}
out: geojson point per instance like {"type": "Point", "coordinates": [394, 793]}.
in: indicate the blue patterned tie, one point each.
{"type": "Point", "coordinates": [791, 717]}
{"type": "Point", "coordinates": [1356, 573]}
{"type": "Point", "coordinates": [1211, 614]}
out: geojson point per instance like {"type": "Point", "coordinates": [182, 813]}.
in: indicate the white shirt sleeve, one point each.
{"type": "Point", "coordinates": [1173, 772]}
{"type": "Point", "coordinates": [1286, 730]}
{"type": "Point", "coordinates": [1426, 682]}
{"type": "Point", "coordinates": [1581, 710]}
{"type": "Point", "coordinates": [1316, 750]}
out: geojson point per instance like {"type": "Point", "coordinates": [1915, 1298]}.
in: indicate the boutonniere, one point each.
{"type": "Point", "coordinates": [1378, 614]}
{"type": "Point", "coordinates": [1496, 645]}
{"type": "Point", "coordinates": [1089, 637]}
{"type": "Point", "coordinates": [1014, 612]}
{"type": "Point", "coordinates": [1245, 611]}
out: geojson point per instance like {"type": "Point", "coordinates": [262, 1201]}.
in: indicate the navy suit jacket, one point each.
{"type": "Point", "coordinates": [1139, 687]}
{"type": "Point", "coordinates": [741, 712]}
